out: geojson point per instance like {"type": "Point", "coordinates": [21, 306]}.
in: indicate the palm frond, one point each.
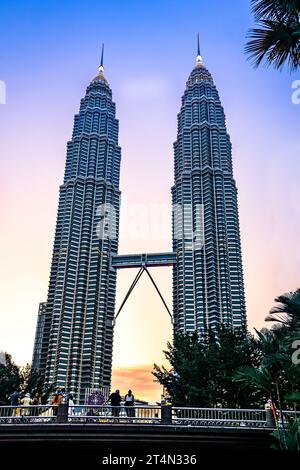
{"type": "Point", "coordinates": [274, 8]}
{"type": "Point", "coordinates": [289, 436]}
{"type": "Point", "coordinates": [267, 342]}
{"type": "Point", "coordinates": [288, 309]}
{"type": "Point", "coordinates": [279, 319]}
{"type": "Point", "coordinates": [247, 375]}
{"type": "Point", "coordinates": [276, 43]}
{"type": "Point", "coordinates": [290, 300]}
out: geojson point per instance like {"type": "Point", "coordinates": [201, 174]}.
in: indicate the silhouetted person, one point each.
{"type": "Point", "coordinates": [56, 401]}
{"type": "Point", "coordinates": [71, 404]}
{"type": "Point", "coordinates": [129, 404]}
{"type": "Point", "coordinates": [115, 401]}
{"type": "Point", "coordinates": [14, 401]}
{"type": "Point", "coordinates": [36, 401]}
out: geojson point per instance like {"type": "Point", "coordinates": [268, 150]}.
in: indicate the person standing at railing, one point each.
{"type": "Point", "coordinates": [15, 400]}
{"type": "Point", "coordinates": [166, 400]}
{"type": "Point", "coordinates": [71, 404]}
{"type": "Point", "coordinates": [115, 401]}
{"type": "Point", "coordinates": [36, 401]}
{"type": "Point", "coordinates": [166, 409]}
{"type": "Point", "coordinates": [272, 418]}
{"type": "Point", "coordinates": [65, 395]}
{"type": "Point", "coordinates": [26, 401]}
{"type": "Point", "coordinates": [129, 404]}
{"type": "Point", "coordinates": [56, 401]}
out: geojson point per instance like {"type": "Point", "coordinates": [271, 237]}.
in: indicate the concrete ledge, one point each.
{"type": "Point", "coordinates": [101, 434]}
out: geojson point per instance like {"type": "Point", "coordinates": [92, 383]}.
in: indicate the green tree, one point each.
{"type": "Point", "coordinates": [276, 374]}
{"type": "Point", "coordinates": [202, 369]}
{"type": "Point", "coordinates": [235, 349]}
{"type": "Point", "coordinates": [188, 380]}
{"type": "Point", "coordinates": [9, 379]}
{"type": "Point", "coordinates": [25, 378]}
{"type": "Point", "coordinates": [276, 39]}
{"type": "Point", "coordinates": [33, 382]}
{"type": "Point", "coordinates": [288, 438]}
{"type": "Point", "coordinates": [286, 313]}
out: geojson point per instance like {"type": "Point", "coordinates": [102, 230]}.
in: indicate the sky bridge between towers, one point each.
{"type": "Point", "coordinates": [143, 261]}
{"type": "Point", "coordinates": [146, 259]}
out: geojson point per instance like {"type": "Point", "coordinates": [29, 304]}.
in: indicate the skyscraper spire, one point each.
{"type": "Point", "coordinates": [101, 67]}
{"type": "Point", "coordinates": [199, 60]}
{"type": "Point", "coordinates": [100, 76]}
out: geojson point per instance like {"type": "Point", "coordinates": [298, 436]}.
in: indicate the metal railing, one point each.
{"type": "Point", "coordinates": [219, 417]}
{"type": "Point", "coordinates": [22, 414]}
{"type": "Point", "coordinates": [167, 415]}
{"type": "Point", "coordinates": [114, 414]}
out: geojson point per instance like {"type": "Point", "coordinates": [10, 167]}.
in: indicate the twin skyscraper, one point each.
{"type": "Point", "coordinates": [74, 338]}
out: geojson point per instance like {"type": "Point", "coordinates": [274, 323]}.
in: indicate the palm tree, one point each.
{"type": "Point", "coordinates": [287, 314]}
{"type": "Point", "coordinates": [260, 378]}
{"type": "Point", "coordinates": [266, 376]}
{"type": "Point", "coordinates": [289, 437]}
{"type": "Point", "coordinates": [276, 39]}
{"type": "Point", "coordinates": [288, 310]}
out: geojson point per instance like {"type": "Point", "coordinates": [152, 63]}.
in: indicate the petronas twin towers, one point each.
{"type": "Point", "coordinates": [74, 339]}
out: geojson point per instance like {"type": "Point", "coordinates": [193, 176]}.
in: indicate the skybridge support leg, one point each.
{"type": "Point", "coordinates": [134, 283]}
{"type": "Point", "coordinates": [159, 293]}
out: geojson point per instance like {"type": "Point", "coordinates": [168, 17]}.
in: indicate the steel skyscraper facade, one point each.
{"type": "Point", "coordinates": [78, 331]}
{"type": "Point", "coordinates": [38, 340]}
{"type": "Point", "coordinates": [208, 287]}
{"type": "Point", "coordinates": [74, 339]}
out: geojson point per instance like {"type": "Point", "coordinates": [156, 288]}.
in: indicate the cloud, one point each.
{"type": "Point", "coordinates": [139, 379]}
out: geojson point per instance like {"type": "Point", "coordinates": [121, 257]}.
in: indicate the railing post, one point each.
{"type": "Point", "coordinates": [62, 413]}
{"type": "Point", "coordinates": [166, 414]}
{"type": "Point", "coordinates": [270, 419]}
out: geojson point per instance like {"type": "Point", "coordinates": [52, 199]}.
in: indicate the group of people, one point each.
{"type": "Point", "coordinates": [61, 396]}
{"type": "Point", "coordinates": [22, 399]}
{"type": "Point", "coordinates": [116, 399]}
